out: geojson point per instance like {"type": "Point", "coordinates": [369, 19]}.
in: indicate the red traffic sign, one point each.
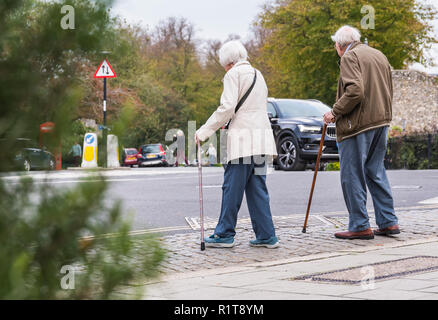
{"type": "Point", "coordinates": [105, 70]}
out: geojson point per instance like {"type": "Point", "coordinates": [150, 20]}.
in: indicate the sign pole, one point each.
{"type": "Point", "coordinates": [104, 71]}
{"type": "Point", "coordinates": [105, 133]}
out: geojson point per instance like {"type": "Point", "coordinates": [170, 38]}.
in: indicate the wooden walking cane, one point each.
{"type": "Point", "coordinates": [201, 200]}
{"type": "Point", "coordinates": [321, 144]}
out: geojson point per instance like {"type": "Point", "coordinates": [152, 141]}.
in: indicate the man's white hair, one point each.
{"type": "Point", "coordinates": [232, 52]}
{"type": "Point", "coordinates": [346, 35]}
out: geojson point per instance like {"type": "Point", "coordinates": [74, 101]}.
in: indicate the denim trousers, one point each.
{"type": "Point", "coordinates": [247, 175]}
{"type": "Point", "coordinates": [362, 166]}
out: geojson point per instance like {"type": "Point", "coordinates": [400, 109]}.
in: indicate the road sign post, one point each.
{"type": "Point", "coordinates": [104, 71]}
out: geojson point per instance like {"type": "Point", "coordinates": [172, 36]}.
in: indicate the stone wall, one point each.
{"type": "Point", "coordinates": [415, 104]}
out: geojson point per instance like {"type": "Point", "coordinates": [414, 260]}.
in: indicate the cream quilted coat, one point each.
{"type": "Point", "coordinates": [250, 131]}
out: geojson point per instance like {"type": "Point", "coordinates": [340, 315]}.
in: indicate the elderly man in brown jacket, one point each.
{"type": "Point", "coordinates": [363, 112]}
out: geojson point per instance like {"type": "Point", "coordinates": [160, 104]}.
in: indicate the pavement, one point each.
{"type": "Point", "coordinates": [310, 266]}
{"type": "Point", "coordinates": [314, 265]}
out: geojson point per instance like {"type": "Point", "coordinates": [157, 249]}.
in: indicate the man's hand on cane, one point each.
{"type": "Point", "coordinates": [329, 117]}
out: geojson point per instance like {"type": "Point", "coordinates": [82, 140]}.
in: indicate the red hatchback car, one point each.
{"type": "Point", "coordinates": [129, 157]}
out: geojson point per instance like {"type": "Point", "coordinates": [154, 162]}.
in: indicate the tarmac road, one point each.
{"type": "Point", "coordinates": [163, 197]}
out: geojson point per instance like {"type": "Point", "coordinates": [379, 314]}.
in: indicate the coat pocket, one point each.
{"type": "Point", "coordinates": [350, 123]}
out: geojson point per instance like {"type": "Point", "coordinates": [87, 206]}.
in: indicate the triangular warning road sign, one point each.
{"type": "Point", "coordinates": [105, 71]}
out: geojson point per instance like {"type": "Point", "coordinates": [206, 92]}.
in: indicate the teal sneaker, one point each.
{"type": "Point", "coordinates": [270, 243]}
{"type": "Point", "coordinates": [214, 241]}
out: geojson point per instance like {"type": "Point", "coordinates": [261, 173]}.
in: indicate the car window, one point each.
{"type": "Point", "coordinates": [131, 152]}
{"type": "Point", "coordinates": [301, 108]}
{"type": "Point", "coordinates": [151, 149]}
{"type": "Point", "coordinates": [272, 110]}
{"type": "Point", "coordinates": [26, 143]}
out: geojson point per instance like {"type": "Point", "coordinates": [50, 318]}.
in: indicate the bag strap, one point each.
{"type": "Point", "coordinates": [244, 97]}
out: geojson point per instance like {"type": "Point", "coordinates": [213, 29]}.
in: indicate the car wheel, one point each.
{"type": "Point", "coordinates": [26, 165]}
{"type": "Point", "coordinates": [323, 166]}
{"type": "Point", "coordinates": [288, 155]}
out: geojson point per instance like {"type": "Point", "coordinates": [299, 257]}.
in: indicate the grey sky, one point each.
{"type": "Point", "coordinates": [213, 19]}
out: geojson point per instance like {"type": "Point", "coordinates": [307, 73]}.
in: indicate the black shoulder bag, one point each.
{"type": "Point", "coordinates": [242, 100]}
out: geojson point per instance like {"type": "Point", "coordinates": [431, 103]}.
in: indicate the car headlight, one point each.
{"type": "Point", "coordinates": [312, 129]}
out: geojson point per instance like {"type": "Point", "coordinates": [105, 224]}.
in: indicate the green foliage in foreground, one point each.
{"type": "Point", "coordinates": [38, 240]}
{"type": "Point", "coordinates": [41, 226]}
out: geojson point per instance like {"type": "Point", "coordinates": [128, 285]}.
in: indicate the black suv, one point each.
{"type": "Point", "coordinates": [297, 126]}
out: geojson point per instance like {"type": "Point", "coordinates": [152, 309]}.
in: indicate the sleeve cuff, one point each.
{"type": "Point", "coordinates": [203, 134]}
{"type": "Point", "coordinates": [333, 113]}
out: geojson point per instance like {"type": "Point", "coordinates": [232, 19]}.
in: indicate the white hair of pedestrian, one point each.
{"type": "Point", "coordinates": [346, 35]}
{"type": "Point", "coordinates": [232, 52]}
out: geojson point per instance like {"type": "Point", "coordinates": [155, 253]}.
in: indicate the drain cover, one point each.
{"type": "Point", "coordinates": [381, 270]}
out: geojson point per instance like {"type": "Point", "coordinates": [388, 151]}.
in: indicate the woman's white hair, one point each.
{"type": "Point", "coordinates": [232, 52]}
{"type": "Point", "coordinates": [346, 35]}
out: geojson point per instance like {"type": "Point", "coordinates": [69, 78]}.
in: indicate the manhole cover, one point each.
{"type": "Point", "coordinates": [378, 271]}
{"type": "Point", "coordinates": [245, 223]}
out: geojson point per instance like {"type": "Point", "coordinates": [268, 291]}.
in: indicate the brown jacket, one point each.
{"type": "Point", "coordinates": [364, 97]}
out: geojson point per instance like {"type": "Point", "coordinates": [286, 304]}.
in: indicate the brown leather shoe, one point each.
{"type": "Point", "coordinates": [387, 231]}
{"type": "Point", "coordinates": [364, 235]}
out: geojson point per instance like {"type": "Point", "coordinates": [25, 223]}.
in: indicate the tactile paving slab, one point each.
{"type": "Point", "coordinates": [377, 271]}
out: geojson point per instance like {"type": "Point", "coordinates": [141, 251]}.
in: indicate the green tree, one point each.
{"type": "Point", "coordinates": [298, 51]}
{"type": "Point", "coordinates": [43, 228]}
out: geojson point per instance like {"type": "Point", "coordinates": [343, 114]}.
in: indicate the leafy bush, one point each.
{"type": "Point", "coordinates": [39, 239]}
{"type": "Point", "coordinates": [412, 152]}
{"type": "Point", "coordinates": [333, 166]}
{"type": "Point", "coordinates": [42, 228]}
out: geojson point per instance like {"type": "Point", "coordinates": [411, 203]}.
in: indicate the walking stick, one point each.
{"type": "Point", "coordinates": [321, 144]}
{"type": "Point", "coordinates": [201, 200]}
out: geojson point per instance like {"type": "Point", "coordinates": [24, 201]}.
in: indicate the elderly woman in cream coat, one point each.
{"type": "Point", "coordinates": [249, 142]}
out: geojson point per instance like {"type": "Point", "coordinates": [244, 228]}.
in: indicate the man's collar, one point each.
{"type": "Point", "coordinates": [353, 45]}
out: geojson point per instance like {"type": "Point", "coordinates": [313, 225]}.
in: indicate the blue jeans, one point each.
{"type": "Point", "coordinates": [362, 165]}
{"type": "Point", "coordinates": [249, 177]}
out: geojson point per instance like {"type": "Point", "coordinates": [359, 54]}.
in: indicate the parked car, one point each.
{"type": "Point", "coordinates": [152, 154]}
{"type": "Point", "coordinates": [129, 157]}
{"type": "Point", "coordinates": [297, 126]}
{"type": "Point", "coordinates": [31, 157]}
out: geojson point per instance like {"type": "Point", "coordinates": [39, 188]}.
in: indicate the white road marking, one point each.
{"type": "Point", "coordinates": [141, 232]}
{"type": "Point", "coordinates": [84, 174]}
{"type": "Point", "coordinates": [430, 201]}
{"type": "Point", "coordinates": [84, 181]}
{"type": "Point", "coordinates": [116, 176]}
{"type": "Point", "coordinates": [212, 186]}
{"type": "Point", "coordinates": [407, 187]}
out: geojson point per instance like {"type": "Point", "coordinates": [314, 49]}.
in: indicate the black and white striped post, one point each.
{"type": "Point", "coordinates": [104, 132]}
{"type": "Point", "coordinates": [104, 71]}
